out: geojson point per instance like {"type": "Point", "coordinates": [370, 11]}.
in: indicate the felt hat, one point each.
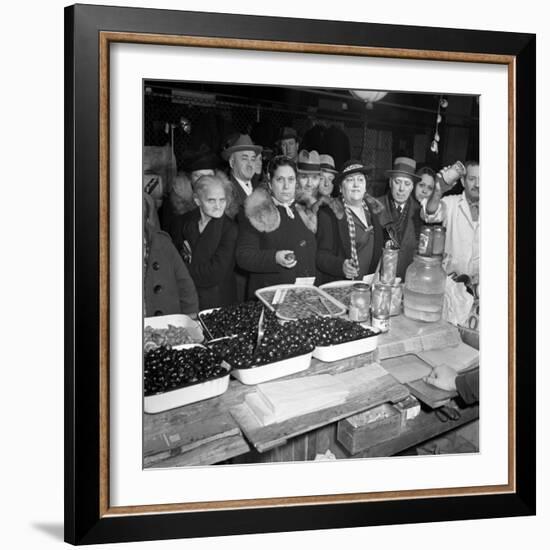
{"type": "Point", "coordinates": [240, 142]}
{"type": "Point", "coordinates": [404, 166]}
{"type": "Point", "coordinates": [308, 162]}
{"type": "Point", "coordinates": [327, 164]}
{"type": "Point", "coordinates": [203, 160]}
{"type": "Point", "coordinates": [288, 133]}
{"type": "Point", "coordinates": [351, 167]}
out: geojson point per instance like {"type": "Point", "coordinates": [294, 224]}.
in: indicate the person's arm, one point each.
{"type": "Point", "coordinates": [327, 261]}
{"type": "Point", "coordinates": [466, 384]}
{"type": "Point", "coordinates": [214, 270]}
{"type": "Point", "coordinates": [249, 256]}
{"type": "Point", "coordinates": [187, 293]}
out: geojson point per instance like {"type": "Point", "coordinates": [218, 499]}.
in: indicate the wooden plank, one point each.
{"type": "Point", "coordinates": [380, 390]}
{"type": "Point", "coordinates": [209, 453]}
{"type": "Point", "coordinates": [425, 426]}
{"type": "Point", "coordinates": [410, 336]}
{"type": "Point", "coordinates": [183, 433]}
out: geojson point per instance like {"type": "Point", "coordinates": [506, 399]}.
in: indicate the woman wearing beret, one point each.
{"type": "Point", "coordinates": [208, 239]}
{"type": "Point", "coordinates": [276, 241]}
{"type": "Point", "coordinates": [349, 234]}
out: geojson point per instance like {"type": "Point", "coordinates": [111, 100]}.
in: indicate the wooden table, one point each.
{"type": "Point", "coordinates": [218, 429]}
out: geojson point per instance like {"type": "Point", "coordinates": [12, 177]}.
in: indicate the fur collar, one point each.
{"type": "Point", "coordinates": [261, 211]}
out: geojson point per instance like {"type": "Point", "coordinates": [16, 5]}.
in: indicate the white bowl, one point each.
{"type": "Point", "coordinates": [188, 394]}
{"type": "Point", "coordinates": [271, 371]}
{"type": "Point", "coordinates": [178, 320]}
{"type": "Point", "coordinates": [347, 349]}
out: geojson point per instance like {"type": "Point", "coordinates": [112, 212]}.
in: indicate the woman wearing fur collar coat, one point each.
{"type": "Point", "coordinates": [349, 235]}
{"type": "Point", "coordinates": [276, 237]}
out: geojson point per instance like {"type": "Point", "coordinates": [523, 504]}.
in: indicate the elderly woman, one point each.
{"type": "Point", "coordinates": [276, 241]}
{"type": "Point", "coordinates": [207, 240]}
{"type": "Point", "coordinates": [349, 235]}
{"type": "Point", "coordinates": [180, 201]}
{"type": "Point", "coordinates": [168, 287]}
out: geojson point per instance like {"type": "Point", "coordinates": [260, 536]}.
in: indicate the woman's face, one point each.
{"type": "Point", "coordinates": [354, 188]}
{"type": "Point", "coordinates": [283, 184]}
{"type": "Point", "coordinates": [211, 200]}
{"type": "Point", "coordinates": [424, 188]}
{"type": "Point", "coordinates": [326, 184]}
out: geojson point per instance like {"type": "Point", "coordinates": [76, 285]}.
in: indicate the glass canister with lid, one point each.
{"type": "Point", "coordinates": [359, 309]}
{"type": "Point", "coordinates": [424, 289]}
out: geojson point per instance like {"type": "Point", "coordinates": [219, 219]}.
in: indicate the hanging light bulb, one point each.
{"type": "Point", "coordinates": [444, 103]}
{"type": "Point", "coordinates": [434, 147]}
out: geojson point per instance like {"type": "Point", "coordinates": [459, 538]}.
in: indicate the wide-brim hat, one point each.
{"type": "Point", "coordinates": [240, 142]}
{"type": "Point", "coordinates": [308, 162]}
{"type": "Point", "coordinates": [352, 167]}
{"type": "Point", "coordinates": [404, 166]}
{"type": "Point", "coordinates": [327, 164]}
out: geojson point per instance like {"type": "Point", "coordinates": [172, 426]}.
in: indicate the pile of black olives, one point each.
{"type": "Point", "coordinates": [230, 320]}
{"type": "Point", "coordinates": [167, 369]}
{"type": "Point", "coordinates": [326, 331]}
{"type": "Point", "coordinates": [279, 342]}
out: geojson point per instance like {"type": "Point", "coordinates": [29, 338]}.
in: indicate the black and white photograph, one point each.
{"type": "Point", "coordinates": [311, 265]}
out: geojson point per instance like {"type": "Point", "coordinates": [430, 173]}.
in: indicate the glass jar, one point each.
{"type": "Point", "coordinates": [359, 302]}
{"type": "Point", "coordinates": [390, 256]}
{"type": "Point", "coordinates": [396, 297]}
{"type": "Point", "coordinates": [381, 305]}
{"type": "Point", "coordinates": [424, 289]}
{"type": "Point", "coordinates": [439, 240]}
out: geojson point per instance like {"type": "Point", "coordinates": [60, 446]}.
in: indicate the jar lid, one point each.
{"type": "Point", "coordinates": [382, 286]}
{"type": "Point", "coordinates": [362, 287]}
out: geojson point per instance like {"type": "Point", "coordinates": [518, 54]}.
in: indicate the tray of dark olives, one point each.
{"type": "Point", "coordinates": [284, 349]}
{"type": "Point", "coordinates": [338, 338]}
{"type": "Point", "coordinates": [230, 320]}
{"type": "Point", "coordinates": [291, 302]}
{"type": "Point", "coordinates": [180, 375]}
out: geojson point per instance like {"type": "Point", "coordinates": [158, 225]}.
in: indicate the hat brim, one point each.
{"type": "Point", "coordinates": [340, 176]}
{"type": "Point", "coordinates": [236, 148]}
{"type": "Point", "coordinates": [308, 171]}
{"type": "Point", "coordinates": [411, 175]}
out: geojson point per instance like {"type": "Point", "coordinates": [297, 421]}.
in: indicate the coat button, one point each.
{"type": "Point", "coordinates": [158, 312]}
{"type": "Point", "coordinates": [156, 266]}
{"type": "Point", "coordinates": [157, 289]}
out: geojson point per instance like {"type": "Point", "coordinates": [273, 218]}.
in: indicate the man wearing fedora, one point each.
{"type": "Point", "coordinates": [288, 143]}
{"type": "Point", "coordinates": [241, 153]}
{"type": "Point", "coordinates": [328, 173]}
{"type": "Point", "coordinates": [309, 173]}
{"type": "Point", "coordinates": [401, 216]}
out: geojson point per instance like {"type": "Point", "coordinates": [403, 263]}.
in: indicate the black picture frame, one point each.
{"type": "Point", "coordinates": [87, 519]}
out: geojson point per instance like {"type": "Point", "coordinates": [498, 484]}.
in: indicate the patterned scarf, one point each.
{"type": "Point", "coordinates": [289, 212]}
{"type": "Point", "coordinates": [351, 230]}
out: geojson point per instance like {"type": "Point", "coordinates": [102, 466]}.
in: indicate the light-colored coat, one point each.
{"type": "Point", "coordinates": [462, 238]}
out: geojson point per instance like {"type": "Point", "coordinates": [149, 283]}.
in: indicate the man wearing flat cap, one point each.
{"type": "Point", "coordinates": [288, 143]}
{"type": "Point", "coordinates": [241, 153]}
{"type": "Point", "coordinates": [401, 217]}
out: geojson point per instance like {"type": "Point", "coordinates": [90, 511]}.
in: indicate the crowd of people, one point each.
{"type": "Point", "coordinates": [221, 234]}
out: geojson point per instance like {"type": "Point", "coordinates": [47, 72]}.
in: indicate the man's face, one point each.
{"type": "Point", "coordinates": [258, 164]}
{"type": "Point", "coordinates": [401, 188]}
{"type": "Point", "coordinates": [196, 174]}
{"type": "Point", "coordinates": [289, 147]}
{"type": "Point", "coordinates": [308, 184]}
{"type": "Point", "coordinates": [424, 187]}
{"type": "Point", "coordinates": [243, 164]}
{"type": "Point", "coordinates": [211, 200]}
{"type": "Point", "coordinates": [471, 183]}
{"type": "Point", "coordinates": [326, 184]}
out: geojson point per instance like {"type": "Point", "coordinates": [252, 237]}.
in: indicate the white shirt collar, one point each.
{"type": "Point", "coordinates": [246, 185]}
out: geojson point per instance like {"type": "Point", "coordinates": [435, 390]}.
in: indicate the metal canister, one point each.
{"type": "Point", "coordinates": [360, 299]}
{"type": "Point", "coordinates": [381, 306]}
{"type": "Point", "coordinates": [439, 233]}
{"type": "Point", "coordinates": [390, 256]}
{"type": "Point", "coordinates": [425, 240]}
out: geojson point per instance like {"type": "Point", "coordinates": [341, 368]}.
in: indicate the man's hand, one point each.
{"type": "Point", "coordinates": [442, 377]}
{"type": "Point", "coordinates": [285, 258]}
